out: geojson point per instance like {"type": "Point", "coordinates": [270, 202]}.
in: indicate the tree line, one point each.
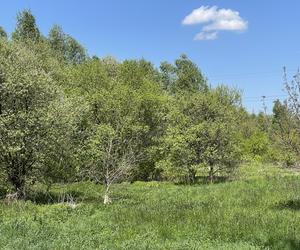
{"type": "Point", "coordinates": [66, 116]}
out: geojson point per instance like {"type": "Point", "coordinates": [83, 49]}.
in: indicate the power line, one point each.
{"type": "Point", "coordinates": [240, 76]}
{"type": "Point", "coordinates": [259, 100]}
{"type": "Point", "coordinates": [265, 97]}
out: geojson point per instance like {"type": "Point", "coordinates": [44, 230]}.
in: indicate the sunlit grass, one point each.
{"type": "Point", "coordinates": [257, 211]}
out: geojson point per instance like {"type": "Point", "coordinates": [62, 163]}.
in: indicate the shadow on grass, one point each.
{"type": "Point", "coordinates": [43, 197]}
{"type": "Point", "coordinates": [204, 180]}
{"type": "Point", "coordinates": [216, 180]}
{"type": "Point", "coordinates": [3, 192]}
{"type": "Point", "coordinates": [293, 204]}
{"type": "Point", "coordinates": [291, 244]}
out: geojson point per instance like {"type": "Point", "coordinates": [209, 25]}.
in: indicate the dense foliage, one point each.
{"type": "Point", "coordinates": [66, 116]}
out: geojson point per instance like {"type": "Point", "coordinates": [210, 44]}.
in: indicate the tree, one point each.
{"type": "Point", "coordinates": [57, 157]}
{"type": "Point", "coordinates": [114, 137]}
{"type": "Point", "coordinates": [293, 90]}
{"type": "Point", "coordinates": [26, 91]}
{"type": "Point", "coordinates": [285, 131]}
{"type": "Point", "coordinates": [183, 76]}
{"type": "Point", "coordinates": [26, 29]}
{"type": "Point", "coordinates": [74, 53]}
{"type": "Point", "coordinates": [189, 76]}
{"type": "Point", "coordinates": [131, 83]}
{"type": "Point", "coordinates": [91, 76]}
{"type": "Point", "coordinates": [135, 73]}
{"type": "Point", "coordinates": [286, 120]}
{"type": "Point", "coordinates": [200, 135]}
{"type": "Point", "coordinates": [66, 46]}
{"type": "Point", "coordinates": [256, 146]}
{"type": "Point", "coordinates": [3, 34]}
{"type": "Point", "coordinates": [113, 158]}
{"type": "Point", "coordinates": [168, 76]}
{"type": "Point", "coordinates": [57, 39]}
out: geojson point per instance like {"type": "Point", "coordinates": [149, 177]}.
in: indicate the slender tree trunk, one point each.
{"type": "Point", "coordinates": [107, 199]}
{"type": "Point", "coordinates": [211, 174]}
{"type": "Point", "coordinates": [20, 189]}
{"type": "Point", "coordinates": [16, 177]}
{"type": "Point", "coordinates": [192, 176]}
{"type": "Point", "coordinates": [19, 193]}
{"type": "Point", "coordinates": [107, 183]}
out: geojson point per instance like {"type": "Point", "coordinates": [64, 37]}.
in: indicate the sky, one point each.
{"type": "Point", "coordinates": [243, 44]}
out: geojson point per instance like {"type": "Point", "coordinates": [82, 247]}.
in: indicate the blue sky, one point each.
{"type": "Point", "coordinates": [248, 57]}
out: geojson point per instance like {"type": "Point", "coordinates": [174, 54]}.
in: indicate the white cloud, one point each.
{"type": "Point", "coordinates": [216, 20]}
{"type": "Point", "coordinates": [234, 25]}
{"type": "Point", "coordinates": [202, 15]}
{"type": "Point", "coordinates": [206, 36]}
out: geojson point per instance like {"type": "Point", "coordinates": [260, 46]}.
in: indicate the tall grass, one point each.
{"type": "Point", "coordinates": [261, 210]}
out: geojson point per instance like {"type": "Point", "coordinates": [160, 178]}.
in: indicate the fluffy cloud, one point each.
{"type": "Point", "coordinates": [206, 36]}
{"type": "Point", "coordinates": [215, 20]}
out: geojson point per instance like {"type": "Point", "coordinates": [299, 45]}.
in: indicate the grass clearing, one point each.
{"type": "Point", "coordinates": [261, 210]}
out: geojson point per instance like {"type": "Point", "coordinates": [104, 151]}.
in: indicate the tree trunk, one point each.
{"type": "Point", "coordinates": [19, 187]}
{"type": "Point", "coordinates": [107, 199]}
{"type": "Point", "coordinates": [211, 174]}
{"type": "Point", "coordinates": [192, 176]}
{"type": "Point", "coordinates": [16, 176]}
{"type": "Point", "coordinates": [20, 190]}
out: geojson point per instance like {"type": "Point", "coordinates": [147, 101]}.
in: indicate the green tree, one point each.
{"type": "Point", "coordinates": [57, 157]}
{"type": "Point", "coordinates": [113, 159]}
{"type": "Point", "coordinates": [26, 29]}
{"type": "Point", "coordinates": [136, 72]}
{"type": "Point", "coordinates": [286, 120]}
{"type": "Point", "coordinates": [183, 76]}
{"type": "Point", "coordinates": [137, 77]}
{"type": "Point", "coordinates": [113, 146]}
{"type": "Point", "coordinates": [56, 38]}
{"type": "Point", "coordinates": [25, 93]}
{"type": "Point", "coordinates": [91, 76]}
{"type": "Point", "coordinates": [168, 76]}
{"type": "Point", "coordinates": [189, 76]}
{"type": "Point", "coordinates": [256, 147]}
{"type": "Point", "coordinates": [285, 131]}
{"type": "Point", "coordinates": [75, 52]}
{"type": "Point", "coordinates": [200, 136]}
{"type": "Point", "coordinates": [66, 46]}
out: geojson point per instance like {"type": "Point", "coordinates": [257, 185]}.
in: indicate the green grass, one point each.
{"type": "Point", "coordinates": [261, 210]}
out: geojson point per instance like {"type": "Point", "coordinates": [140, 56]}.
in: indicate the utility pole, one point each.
{"type": "Point", "coordinates": [264, 104]}
{"type": "Point", "coordinates": [266, 119]}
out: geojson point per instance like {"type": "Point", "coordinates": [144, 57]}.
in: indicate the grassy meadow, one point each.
{"type": "Point", "coordinates": [258, 210]}
{"type": "Point", "coordinates": [79, 130]}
